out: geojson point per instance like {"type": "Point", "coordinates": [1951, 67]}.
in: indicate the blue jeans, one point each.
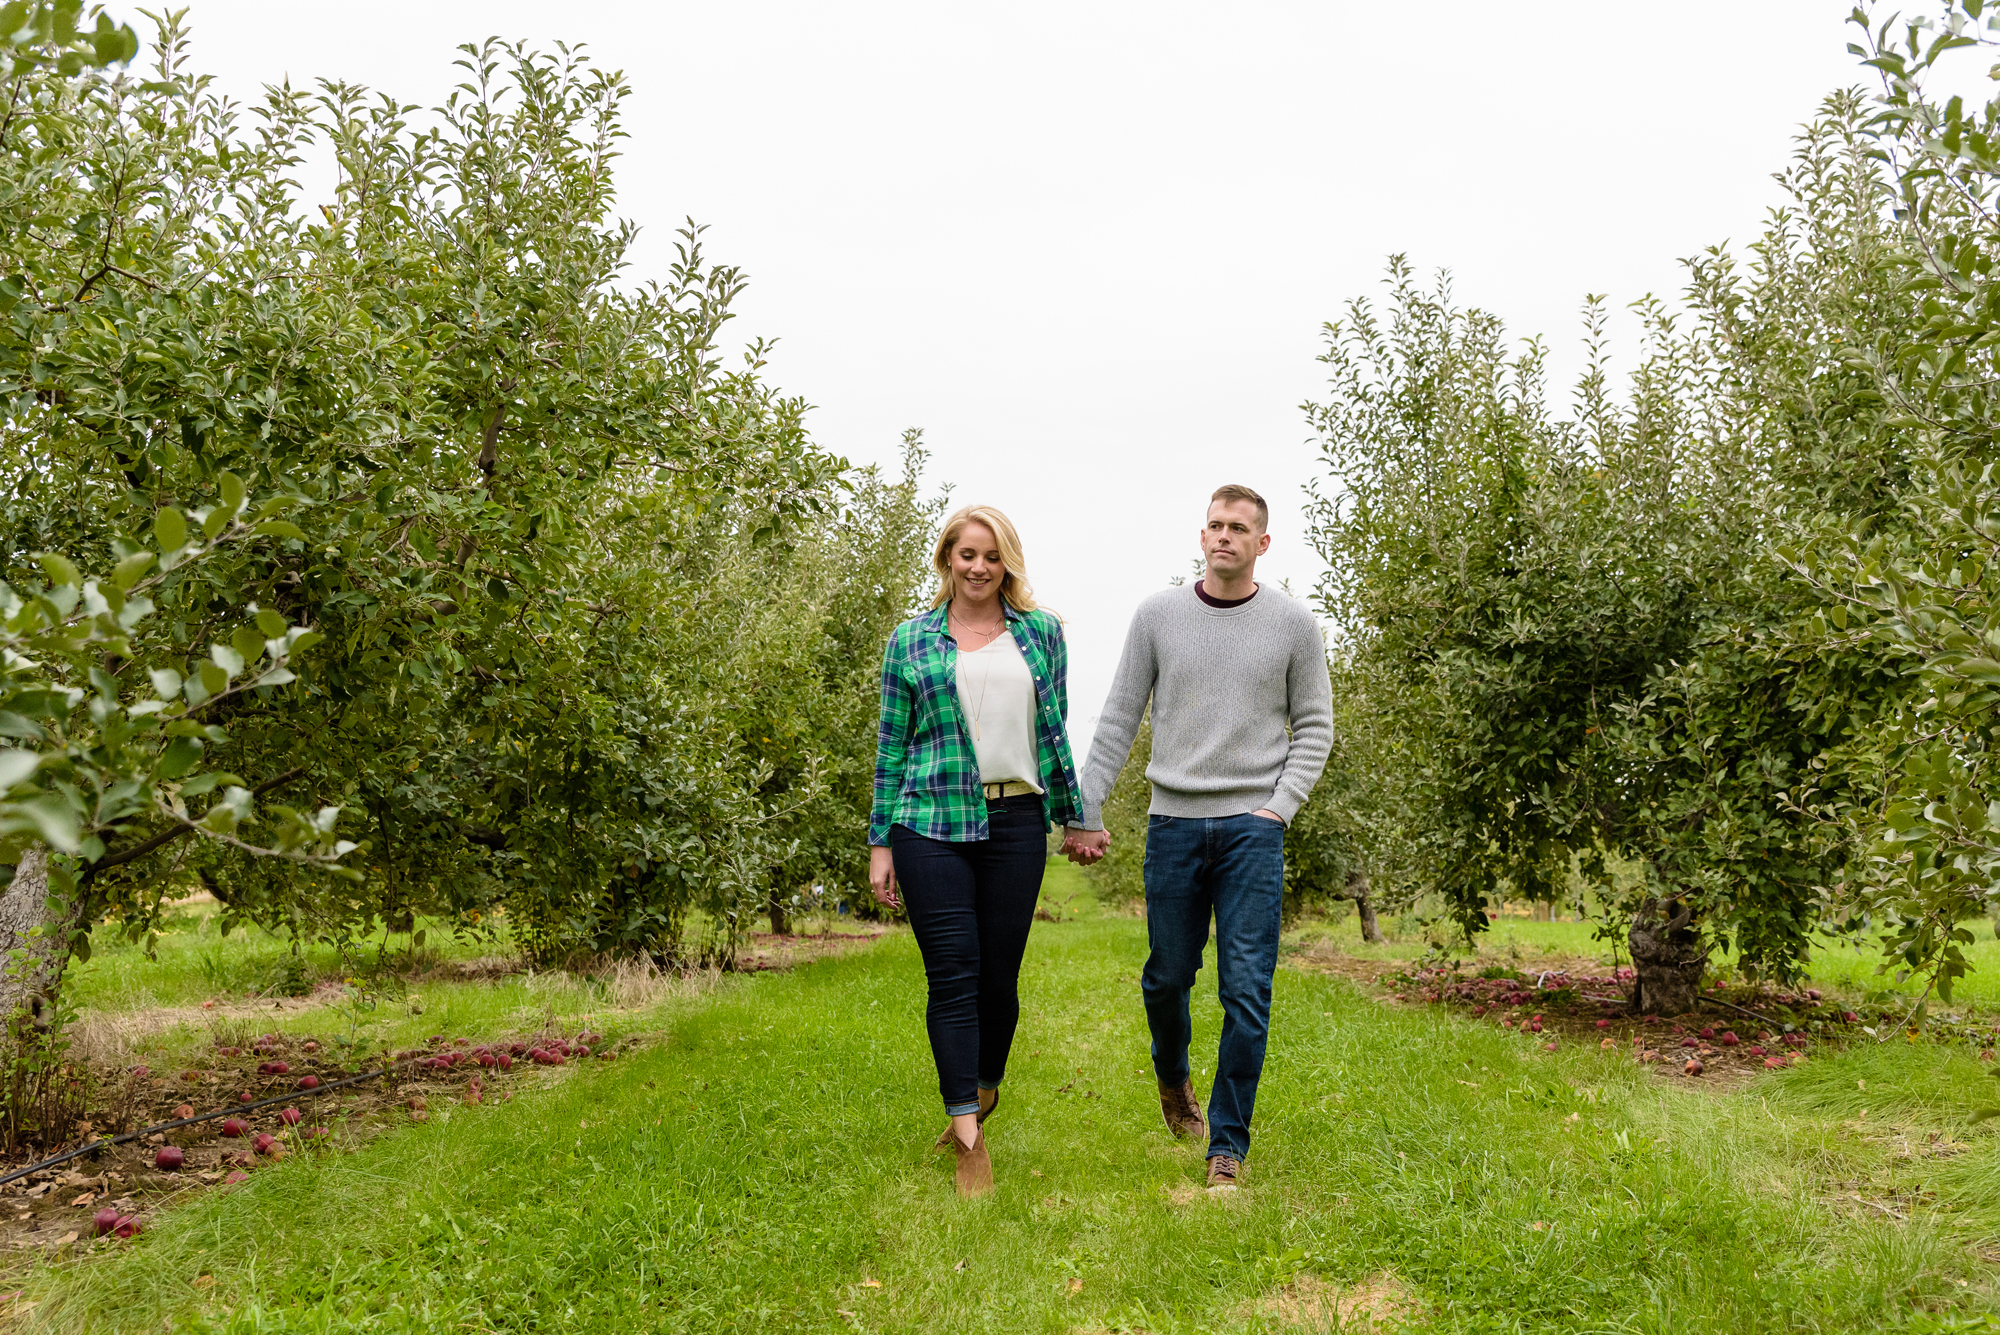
{"type": "Point", "coordinates": [971, 906]}
{"type": "Point", "coordinates": [1234, 867]}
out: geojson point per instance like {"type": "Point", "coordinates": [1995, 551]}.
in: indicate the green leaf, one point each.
{"type": "Point", "coordinates": [166, 683]}
{"type": "Point", "coordinates": [180, 756]}
{"type": "Point", "coordinates": [16, 766]}
{"type": "Point", "coordinates": [60, 570]}
{"type": "Point", "coordinates": [226, 658]}
{"type": "Point", "coordinates": [271, 624]}
{"type": "Point", "coordinates": [248, 641]}
{"type": "Point", "coordinates": [232, 493]}
{"type": "Point", "coordinates": [170, 529]}
{"type": "Point", "coordinates": [128, 572]}
{"type": "Point", "coordinates": [281, 528]}
{"type": "Point", "coordinates": [214, 681]}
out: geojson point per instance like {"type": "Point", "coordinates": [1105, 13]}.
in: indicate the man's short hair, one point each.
{"type": "Point", "coordinates": [1234, 492]}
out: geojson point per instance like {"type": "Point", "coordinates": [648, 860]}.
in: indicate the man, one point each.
{"type": "Point", "coordinates": [1242, 723]}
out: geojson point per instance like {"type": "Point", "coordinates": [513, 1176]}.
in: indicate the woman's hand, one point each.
{"type": "Point", "coordinates": [882, 877]}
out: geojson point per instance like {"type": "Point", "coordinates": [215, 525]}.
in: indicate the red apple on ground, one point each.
{"type": "Point", "coordinates": [311, 1046]}
{"type": "Point", "coordinates": [1850, 1017]}
{"type": "Point", "coordinates": [185, 1110]}
{"type": "Point", "coordinates": [234, 1127]}
{"type": "Point", "coordinates": [1693, 1067]}
{"type": "Point", "coordinates": [264, 1143]}
{"type": "Point", "coordinates": [309, 1082]}
{"type": "Point", "coordinates": [169, 1158]}
{"type": "Point", "coordinates": [233, 1178]}
{"type": "Point", "coordinates": [104, 1220]}
{"type": "Point", "coordinates": [290, 1116]}
{"type": "Point", "coordinates": [1729, 1039]}
{"type": "Point", "coordinates": [1604, 1024]}
{"type": "Point", "coordinates": [126, 1227]}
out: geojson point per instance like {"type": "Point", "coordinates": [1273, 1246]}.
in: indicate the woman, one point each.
{"type": "Point", "coordinates": [972, 765]}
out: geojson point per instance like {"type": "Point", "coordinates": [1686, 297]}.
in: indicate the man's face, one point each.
{"type": "Point", "coordinates": [1231, 540]}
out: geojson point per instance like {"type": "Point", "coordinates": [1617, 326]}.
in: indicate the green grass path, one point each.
{"type": "Point", "coordinates": [755, 1169]}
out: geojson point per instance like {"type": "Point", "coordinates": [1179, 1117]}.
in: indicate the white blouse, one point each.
{"type": "Point", "coordinates": [997, 693]}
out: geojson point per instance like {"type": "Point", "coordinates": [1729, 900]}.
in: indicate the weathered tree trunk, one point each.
{"type": "Point", "coordinates": [1364, 907]}
{"type": "Point", "coordinates": [34, 940]}
{"type": "Point", "coordinates": [1668, 958]}
{"type": "Point", "coordinates": [781, 923]}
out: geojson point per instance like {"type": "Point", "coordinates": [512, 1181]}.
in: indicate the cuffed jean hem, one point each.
{"type": "Point", "coordinates": [961, 1109]}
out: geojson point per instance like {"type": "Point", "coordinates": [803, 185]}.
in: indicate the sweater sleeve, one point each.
{"type": "Point", "coordinates": [1118, 722]}
{"type": "Point", "coordinates": [1310, 707]}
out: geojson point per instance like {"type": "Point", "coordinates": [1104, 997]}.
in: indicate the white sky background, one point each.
{"type": "Point", "coordinates": [1088, 247]}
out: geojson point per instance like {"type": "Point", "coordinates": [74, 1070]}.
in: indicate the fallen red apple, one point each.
{"type": "Point", "coordinates": [1604, 1024]}
{"type": "Point", "coordinates": [1478, 1011]}
{"type": "Point", "coordinates": [458, 1042]}
{"type": "Point", "coordinates": [416, 1102]}
{"type": "Point", "coordinates": [1607, 1044]}
{"type": "Point", "coordinates": [291, 1116]}
{"type": "Point", "coordinates": [585, 1052]}
{"type": "Point", "coordinates": [185, 1110]}
{"type": "Point", "coordinates": [308, 1082]}
{"type": "Point", "coordinates": [311, 1046]}
{"type": "Point", "coordinates": [1755, 1050]}
{"type": "Point", "coordinates": [1548, 1047]}
{"type": "Point", "coordinates": [1850, 1017]}
{"type": "Point", "coordinates": [234, 1127]}
{"type": "Point", "coordinates": [506, 1062]}
{"type": "Point", "coordinates": [246, 1097]}
{"type": "Point", "coordinates": [1693, 1067]}
{"type": "Point", "coordinates": [238, 1176]}
{"type": "Point", "coordinates": [169, 1158]}
{"type": "Point", "coordinates": [1649, 1055]}
{"type": "Point", "coordinates": [484, 1059]}
{"type": "Point", "coordinates": [1708, 1033]}
{"type": "Point", "coordinates": [317, 1133]}
{"type": "Point", "coordinates": [1813, 993]}
{"type": "Point", "coordinates": [606, 1054]}
{"type": "Point", "coordinates": [280, 1068]}
{"type": "Point", "coordinates": [1775, 1062]}
{"type": "Point", "coordinates": [104, 1220]}
{"type": "Point", "coordinates": [264, 1143]}
{"type": "Point", "coordinates": [127, 1227]}
{"type": "Point", "coordinates": [518, 1049]}
{"type": "Point", "coordinates": [1689, 1043]}
{"type": "Point", "coordinates": [435, 1038]}
{"type": "Point", "coordinates": [1728, 1039]}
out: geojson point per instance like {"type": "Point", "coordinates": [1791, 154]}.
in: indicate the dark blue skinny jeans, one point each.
{"type": "Point", "coordinates": [1234, 868]}
{"type": "Point", "coordinates": [971, 906]}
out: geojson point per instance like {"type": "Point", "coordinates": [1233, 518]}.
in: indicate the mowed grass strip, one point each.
{"type": "Point", "coordinates": [766, 1163]}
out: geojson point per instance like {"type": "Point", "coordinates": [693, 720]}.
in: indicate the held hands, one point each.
{"type": "Point", "coordinates": [1083, 847]}
{"type": "Point", "coordinates": [882, 877]}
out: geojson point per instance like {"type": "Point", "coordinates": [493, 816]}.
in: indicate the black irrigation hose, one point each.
{"type": "Point", "coordinates": [106, 1142]}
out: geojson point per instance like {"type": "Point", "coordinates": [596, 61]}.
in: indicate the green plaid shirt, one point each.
{"type": "Point", "coordinates": [926, 775]}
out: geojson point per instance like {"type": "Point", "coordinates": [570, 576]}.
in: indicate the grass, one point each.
{"type": "Point", "coordinates": [766, 1168]}
{"type": "Point", "coordinates": [1847, 965]}
{"type": "Point", "coordinates": [194, 962]}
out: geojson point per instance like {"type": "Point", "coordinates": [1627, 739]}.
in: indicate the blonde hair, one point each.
{"type": "Point", "coordinates": [1014, 586]}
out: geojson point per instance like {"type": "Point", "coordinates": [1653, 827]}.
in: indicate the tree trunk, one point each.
{"type": "Point", "coordinates": [34, 940]}
{"type": "Point", "coordinates": [781, 924]}
{"type": "Point", "coordinates": [1668, 958]}
{"type": "Point", "coordinates": [1364, 907]}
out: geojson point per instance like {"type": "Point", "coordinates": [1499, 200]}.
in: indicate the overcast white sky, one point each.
{"type": "Point", "coordinates": [1088, 246]}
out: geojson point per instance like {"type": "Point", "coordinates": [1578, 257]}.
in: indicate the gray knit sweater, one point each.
{"type": "Point", "coordinates": [1224, 683]}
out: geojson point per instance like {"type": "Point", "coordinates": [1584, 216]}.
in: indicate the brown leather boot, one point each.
{"type": "Point", "coordinates": [989, 1099]}
{"type": "Point", "coordinates": [1183, 1111]}
{"type": "Point", "coordinates": [975, 1169]}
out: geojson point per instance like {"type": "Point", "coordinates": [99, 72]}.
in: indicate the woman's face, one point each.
{"type": "Point", "coordinates": [976, 568]}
